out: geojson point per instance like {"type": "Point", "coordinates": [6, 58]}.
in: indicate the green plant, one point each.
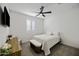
{"type": "Point", "coordinates": [5, 52]}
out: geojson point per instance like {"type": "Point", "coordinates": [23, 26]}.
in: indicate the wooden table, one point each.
{"type": "Point", "coordinates": [16, 47]}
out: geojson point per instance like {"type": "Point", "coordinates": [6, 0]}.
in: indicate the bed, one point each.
{"type": "Point", "coordinates": [47, 41]}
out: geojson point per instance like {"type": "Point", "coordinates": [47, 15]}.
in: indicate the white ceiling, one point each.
{"type": "Point", "coordinates": [32, 8]}
{"type": "Point", "coordinates": [27, 8]}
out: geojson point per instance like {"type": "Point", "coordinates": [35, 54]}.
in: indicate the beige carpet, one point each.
{"type": "Point", "coordinates": [57, 50]}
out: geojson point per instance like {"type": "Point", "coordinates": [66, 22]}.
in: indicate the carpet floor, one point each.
{"type": "Point", "coordinates": [57, 50]}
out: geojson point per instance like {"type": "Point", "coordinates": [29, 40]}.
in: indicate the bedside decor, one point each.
{"type": "Point", "coordinates": [5, 50]}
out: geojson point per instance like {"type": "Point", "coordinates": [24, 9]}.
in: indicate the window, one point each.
{"type": "Point", "coordinates": [30, 25]}
{"type": "Point", "coordinates": [33, 25]}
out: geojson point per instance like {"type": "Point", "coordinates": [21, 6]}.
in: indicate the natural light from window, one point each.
{"type": "Point", "coordinates": [33, 25]}
{"type": "Point", "coordinates": [30, 25]}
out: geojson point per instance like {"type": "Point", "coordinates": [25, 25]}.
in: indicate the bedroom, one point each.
{"type": "Point", "coordinates": [24, 24]}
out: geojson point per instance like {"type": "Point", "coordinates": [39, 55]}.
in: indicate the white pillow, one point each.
{"type": "Point", "coordinates": [48, 33]}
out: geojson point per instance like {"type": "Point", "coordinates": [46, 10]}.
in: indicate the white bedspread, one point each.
{"type": "Point", "coordinates": [47, 41]}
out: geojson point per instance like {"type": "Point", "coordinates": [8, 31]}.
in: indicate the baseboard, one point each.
{"type": "Point", "coordinates": [71, 45]}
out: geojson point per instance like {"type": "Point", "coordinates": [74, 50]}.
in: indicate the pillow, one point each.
{"type": "Point", "coordinates": [50, 33]}
{"type": "Point", "coordinates": [53, 33]}
{"type": "Point", "coordinates": [56, 33]}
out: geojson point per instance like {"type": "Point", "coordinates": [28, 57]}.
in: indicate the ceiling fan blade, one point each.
{"type": "Point", "coordinates": [43, 15]}
{"type": "Point", "coordinates": [38, 14]}
{"type": "Point", "coordinates": [47, 12]}
{"type": "Point", "coordinates": [41, 9]}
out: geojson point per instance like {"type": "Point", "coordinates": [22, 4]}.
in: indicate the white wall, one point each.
{"type": "Point", "coordinates": [4, 31]}
{"type": "Point", "coordinates": [18, 25]}
{"type": "Point", "coordinates": [64, 19]}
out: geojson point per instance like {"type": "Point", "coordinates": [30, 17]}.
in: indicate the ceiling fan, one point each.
{"type": "Point", "coordinates": [42, 12]}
